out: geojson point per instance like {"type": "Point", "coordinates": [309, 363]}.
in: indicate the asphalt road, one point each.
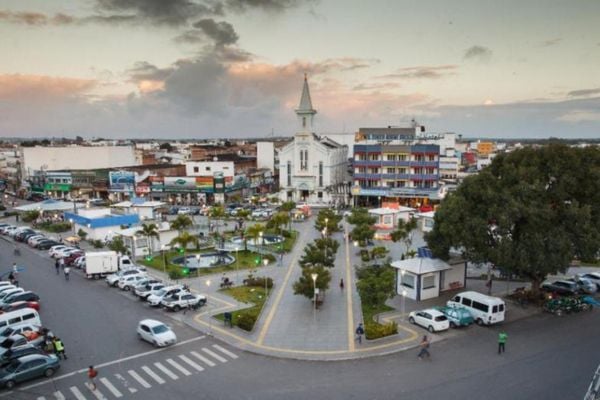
{"type": "Point", "coordinates": [547, 357]}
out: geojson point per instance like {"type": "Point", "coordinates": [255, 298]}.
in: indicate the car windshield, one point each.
{"type": "Point", "coordinates": [12, 367]}
{"type": "Point", "coordinates": [160, 329]}
{"type": "Point", "coordinates": [441, 318]}
{"type": "Point", "coordinates": [160, 292]}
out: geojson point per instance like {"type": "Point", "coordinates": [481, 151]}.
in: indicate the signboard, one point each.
{"type": "Point", "coordinates": [57, 187]}
{"type": "Point", "coordinates": [219, 183]}
{"type": "Point", "coordinates": [180, 184]}
{"type": "Point", "coordinates": [157, 183]}
{"type": "Point", "coordinates": [142, 188]}
{"type": "Point", "coordinates": [121, 181]}
{"type": "Point", "coordinates": [205, 184]}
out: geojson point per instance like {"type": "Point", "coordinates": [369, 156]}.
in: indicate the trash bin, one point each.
{"type": "Point", "coordinates": [228, 319]}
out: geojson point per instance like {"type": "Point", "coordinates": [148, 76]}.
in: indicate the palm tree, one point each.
{"type": "Point", "coordinates": [184, 240]}
{"type": "Point", "coordinates": [149, 231]}
{"type": "Point", "coordinates": [253, 232]}
{"type": "Point", "coordinates": [280, 219]}
{"type": "Point", "coordinates": [217, 213]}
{"type": "Point", "coordinates": [181, 223]}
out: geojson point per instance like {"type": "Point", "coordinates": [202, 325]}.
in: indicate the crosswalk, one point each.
{"type": "Point", "coordinates": [146, 376]}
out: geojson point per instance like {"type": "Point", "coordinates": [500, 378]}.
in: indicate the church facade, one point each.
{"type": "Point", "coordinates": [313, 169]}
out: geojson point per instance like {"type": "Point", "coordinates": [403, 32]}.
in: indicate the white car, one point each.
{"type": "Point", "coordinates": [155, 299]}
{"type": "Point", "coordinates": [32, 241]}
{"type": "Point", "coordinates": [5, 229]}
{"type": "Point", "coordinates": [149, 289]}
{"type": "Point", "coordinates": [6, 293]}
{"type": "Point", "coordinates": [129, 281]}
{"type": "Point", "coordinates": [430, 319]}
{"type": "Point", "coordinates": [79, 262]}
{"type": "Point", "coordinates": [113, 279]}
{"type": "Point", "coordinates": [156, 332]}
{"type": "Point", "coordinates": [184, 211]}
{"type": "Point", "coordinates": [65, 252]}
{"type": "Point", "coordinates": [591, 276]}
{"type": "Point", "coordinates": [54, 249]}
{"type": "Point", "coordinates": [182, 300]}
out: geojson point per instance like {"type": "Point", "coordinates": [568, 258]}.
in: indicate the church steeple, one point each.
{"type": "Point", "coordinates": [305, 111]}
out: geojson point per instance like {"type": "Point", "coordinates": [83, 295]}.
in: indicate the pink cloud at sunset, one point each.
{"type": "Point", "coordinates": [40, 88]}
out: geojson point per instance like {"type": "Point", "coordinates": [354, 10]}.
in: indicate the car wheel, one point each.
{"type": "Point", "coordinates": [155, 343]}
{"type": "Point", "coordinates": [411, 320]}
{"type": "Point", "coordinates": [479, 322]}
{"type": "Point", "coordinates": [176, 308]}
{"type": "Point", "coordinates": [49, 372]}
{"type": "Point", "coordinates": [10, 384]}
{"type": "Point", "coordinates": [430, 329]}
{"type": "Point", "coordinates": [127, 288]}
{"type": "Point", "coordinates": [452, 324]}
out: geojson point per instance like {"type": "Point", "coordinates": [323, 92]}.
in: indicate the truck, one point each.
{"type": "Point", "coordinates": [101, 263]}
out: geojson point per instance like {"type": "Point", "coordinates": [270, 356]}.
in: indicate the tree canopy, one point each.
{"type": "Point", "coordinates": [531, 212]}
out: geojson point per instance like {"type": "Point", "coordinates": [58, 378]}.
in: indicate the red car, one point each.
{"type": "Point", "coordinates": [70, 259]}
{"type": "Point", "coordinates": [17, 305]}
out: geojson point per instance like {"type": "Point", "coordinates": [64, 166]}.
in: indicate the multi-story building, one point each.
{"type": "Point", "coordinates": [394, 165]}
{"type": "Point", "coordinates": [485, 148]}
{"type": "Point", "coordinates": [312, 169]}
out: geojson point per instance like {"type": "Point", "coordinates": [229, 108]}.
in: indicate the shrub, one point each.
{"type": "Point", "coordinates": [10, 213]}
{"type": "Point", "coordinates": [57, 227]}
{"type": "Point", "coordinates": [258, 281]}
{"type": "Point", "coordinates": [29, 216]}
{"type": "Point", "coordinates": [374, 330]}
{"type": "Point", "coordinates": [364, 256]}
{"type": "Point", "coordinates": [175, 273]}
{"type": "Point", "coordinates": [246, 321]}
{"type": "Point", "coordinates": [286, 234]}
{"type": "Point", "coordinates": [82, 234]}
{"type": "Point", "coordinates": [98, 244]}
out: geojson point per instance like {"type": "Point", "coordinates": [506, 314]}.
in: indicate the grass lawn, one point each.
{"type": "Point", "coordinates": [246, 260]}
{"type": "Point", "coordinates": [374, 330]}
{"type": "Point", "coordinates": [250, 295]}
{"type": "Point", "coordinates": [288, 243]}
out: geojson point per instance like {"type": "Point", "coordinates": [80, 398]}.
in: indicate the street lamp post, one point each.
{"type": "Point", "coordinates": [261, 242]}
{"type": "Point", "coordinates": [265, 261]}
{"type": "Point", "coordinates": [197, 265]}
{"type": "Point", "coordinates": [403, 301]}
{"type": "Point", "coordinates": [237, 264]}
{"type": "Point", "coordinates": [207, 306]}
{"type": "Point", "coordinates": [314, 278]}
{"type": "Point", "coordinates": [164, 259]}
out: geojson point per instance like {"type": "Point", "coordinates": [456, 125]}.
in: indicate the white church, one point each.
{"type": "Point", "coordinates": [313, 169]}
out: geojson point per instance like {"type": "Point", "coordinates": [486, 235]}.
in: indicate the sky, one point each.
{"type": "Point", "coordinates": [235, 68]}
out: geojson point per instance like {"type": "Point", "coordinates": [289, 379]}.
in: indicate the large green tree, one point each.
{"type": "Point", "coordinates": [530, 212]}
{"type": "Point", "coordinates": [304, 285]}
{"type": "Point", "coordinates": [327, 218]}
{"type": "Point", "coordinates": [376, 284]}
{"type": "Point", "coordinates": [150, 231]}
{"type": "Point", "coordinates": [403, 233]}
{"type": "Point", "coordinates": [181, 223]}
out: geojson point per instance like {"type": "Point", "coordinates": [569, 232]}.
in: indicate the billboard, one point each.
{"type": "Point", "coordinates": [121, 181]}
{"type": "Point", "coordinates": [180, 184]}
{"type": "Point", "coordinates": [204, 184]}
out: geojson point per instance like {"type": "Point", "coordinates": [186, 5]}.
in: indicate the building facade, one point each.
{"type": "Point", "coordinates": [312, 169]}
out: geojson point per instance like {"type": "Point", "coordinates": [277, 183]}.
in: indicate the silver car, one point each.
{"type": "Point", "coordinates": [585, 285]}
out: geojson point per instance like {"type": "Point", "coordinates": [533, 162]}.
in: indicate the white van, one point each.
{"type": "Point", "coordinates": [486, 310]}
{"type": "Point", "coordinates": [17, 317]}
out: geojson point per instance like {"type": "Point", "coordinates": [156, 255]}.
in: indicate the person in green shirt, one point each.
{"type": "Point", "coordinates": [502, 336]}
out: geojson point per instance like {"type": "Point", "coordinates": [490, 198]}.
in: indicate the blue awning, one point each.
{"type": "Point", "coordinates": [104, 221]}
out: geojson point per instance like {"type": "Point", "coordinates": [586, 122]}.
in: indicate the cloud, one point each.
{"type": "Point", "coordinates": [39, 88]}
{"type": "Point", "coordinates": [221, 32]}
{"type": "Point", "coordinates": [584, 92]}
{"type": "Point", "coordinates": [479, 53]}
{"type": "Point", "coordinates": [35, 18]}
{"type": "Point", "coordinates": [550, 42]}
{"type": "Point", "coordinates": [580, 116]}
{"type": "Point", "coordinates": [193, 36]}
{"type": "Point", "coordinates": [266, 5]}
{"type": "Point", "coordinates": [422, 72]}
{"type": "Point", "coordinates": [376, 86]}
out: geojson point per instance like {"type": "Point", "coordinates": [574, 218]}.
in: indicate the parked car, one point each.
{"type": "Point", "coordinates": [17, 305]}
{"type": "Point", "coordinates": [155, 299]}
{"type": "Point", "coordinates": [182, 300]}
{"type": "Point", "coordinates": [7, 293]}
{"type": "Point", "coordinates": [585, 285]}
{"type": "Point", "coordinates": [54, 249]}
{"type": "Point", "coordinates": [113, 279]}
{"type": "Point", "coordinates": [146, 281]}
{"type": "Point", "coordinates": [184, 211]}
{"type": "Point", "coordinates": [7, 229]}
{"type": "Point", "coordinates": [70, 259]}
{"type": "Point", "coordinates": [18, 329]}
{"type": "Point", "coordinates": [79, 262]}
{"type": "Point", "coordinates": [19, 237]}
{"type": "Point", "coordinates": [22, 296]}
{"type": "Point", "coordinates": [149, 289]}
{"type": "Point", "coordinates": [430, 319]}
{"type": "Point", "coordinates": [562, 287]}
{"type": "Point", "coordinates": [156, 332]}
{"type": "Point", "coordinates": [457, 316]}
{"type": "Point", "coordinates": [33, 240]}
{"type": "Point", "coordinates": [129, 281]}
{"type": "Point", "coordinates": [592, 276]}
{"type": "Point", "coordinates": [10, 356]}
{"type": "Point", "coordinates": [46, 244]}
{"type": "Point", "coordinates": [28, 367]}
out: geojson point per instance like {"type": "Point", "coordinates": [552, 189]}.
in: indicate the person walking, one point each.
{"type": "Point", "coordinates": [502, 336]}
{"type": "Point", "coordinates": [61, 262]}
{"type": "Point", "coordinates": [342, 284]}
{"type": "Point", "coordinates": [57, 266]}
{"type": "Point", "coordinates": [424, 348]}
{"type": "Point", "coordinates": [67, 271]}
{"type": "Point", "coordinates": [359, 332]}
{"type": "Point", "coordinates": [59, 348]}
{"type": "Point", "coordinates": [92, 374]}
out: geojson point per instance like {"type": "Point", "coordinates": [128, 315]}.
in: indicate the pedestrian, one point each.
{"type": "Point", "coordinates": [59, 348]}
{"type": "Point", "coordinates": [359, 332]}
{"type": "Point", "coordinates": [67, 271]}
{"type": "Point", "coordinates": [92, 374]}
{"type": "Point", "coordinates": [61, 262]}
{"type": "Point", "coordinates": [15, 269]}
{"type": "Point", "coordinates": [57, 266]}
{"type": "Point", "coordinates": [502, 336]}
{"type": "Point", "coordinates": [342, 284]}
{"type": "Point", "coordinates": [488, 285]}
{"type": "Point", "coordinates": [11, 278]}
{"type": "Point", "coordinates": [424, 348]}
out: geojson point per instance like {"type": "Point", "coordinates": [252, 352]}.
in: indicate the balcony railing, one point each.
{"type": "Point", "coordinates": [385, 163]}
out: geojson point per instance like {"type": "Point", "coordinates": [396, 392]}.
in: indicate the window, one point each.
{"type": "Point", "coordinates": [429, 282]}
{"type": "Point", "coordinates": [320, 195]}
{"type": "Point", "coordinates": [440, 318]}
{"type": "Point", "coordinates": [431, 158]}
{"type": "Point", "coordinates": [408, 281]}
{"type": "Point", "coordinates": [196, 169]}
{"type": "Point", "coordinates": [14, 320]}
{"type": "Point", "coordinates": [466, 302]}
{"type": "Point", "coordinates": [207, 168]}
{"type": "Point", "coordinates": [304, 122]}
{"type": "Point", "coordinates": [501, 307]}
{"type": "Point", "coordinates": [495, 309]}
{"type": "Point", "coordinates": [320, 173]}
{"type": "Point", "coordinates": [480, 306]}
{"type": "Point", "coordinates": [391, 170]}
{"type": "Point", "coordinates": [289, 173]}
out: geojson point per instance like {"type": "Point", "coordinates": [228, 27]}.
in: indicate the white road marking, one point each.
{"type": "Point", "coordinates": [157, 378]}
{"type": "Point", "coordinates": [106, 364]}
{"type": "Point", "coordinates": [203, 359]}
{"type": "Point", "coordinates": [138, 378]}
{"type": "Point", "coordinates": [215, 355]}
{"type": "Point", "coordinates": [179, 367]}
{"type": "Point", "coordinates": [78, 395]}
{"type": "Point", "coordinates": [97, 393]}
{"type": "Point", "coordinates": [224, 350]}
{"type": "Point", "coordinates": [59, 396]}
{"type": "Point", "coordinates": [111, 388]}
{"type": "Point", "coordinates": [166, 371]}
{"type": "Point", "coordinates": [190, 362]}
{"type": "Point", "coordinates": [41, 398]}
{"type": "Point", "coordinates": [125, 383]}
